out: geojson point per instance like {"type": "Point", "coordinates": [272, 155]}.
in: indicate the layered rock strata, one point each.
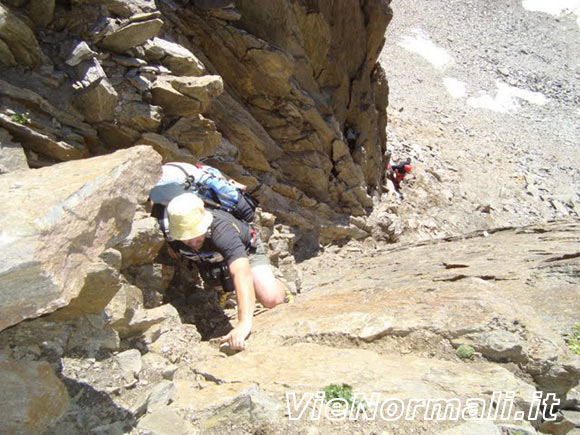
{"type": "Point", "coordinates": [296, 107]}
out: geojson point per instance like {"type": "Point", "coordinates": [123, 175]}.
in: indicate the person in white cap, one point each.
{"type": "Point", "coordinates": [217, 232]}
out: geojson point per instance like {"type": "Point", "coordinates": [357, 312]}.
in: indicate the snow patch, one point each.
{"type": "Point", "coordinates": [456, 88]}
{"type": "Point", "coordinates": [421, 44]}
{"type": "Point", "coordinates": [506, 99]}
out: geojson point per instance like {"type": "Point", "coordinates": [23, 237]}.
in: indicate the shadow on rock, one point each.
{"type": "Point", "coordinates": [195, 304]}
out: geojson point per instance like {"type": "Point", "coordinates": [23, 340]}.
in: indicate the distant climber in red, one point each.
{"type": "Point", "coordinates": [397, 173]}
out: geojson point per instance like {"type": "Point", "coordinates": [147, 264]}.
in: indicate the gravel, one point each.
{"type": "Point", "coordinates": [524, 161]}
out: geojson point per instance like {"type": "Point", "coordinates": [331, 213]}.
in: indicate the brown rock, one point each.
{"type": "Point", "coordinates": [256, 147]}
{"type": "Point", "coordinates": [153, 280]}
{"type": "Point", "coordinates": [18, 39]}
{"type": "Point", "coordinates": [169, 150]}
{"type": "Point", "coordinates": [202, 89]}
{"type": "Point", "coordinates": [126, 9]}
{"type": "Point", "coordinates": [50, 240]}
{"type": "Point", "coordinates": [33, 101]}
{"type": "Point", "coordinates": [173, 102]}
{"type": "Point", "coordinates": [82, 52]}
{"type": "Point", "coordinates": [131, 35]}
{"type": "Point", "coordinates": [33, 397]}
{"type": "Point", "coordinates": [212, 4]}
{"type": "Point", "coordinates": [176, 57]}
{"type": "Point", "coordinates": [184, 96]}
{"type": "Point", "coordinates": [41, 11]}
{"type": "Point", "coordinates": [162, 339]}
{"type": "Point", "coordinates": [90, 334]}
{"type": "Point", "coordinates": [403, 377]}
{"type": "Point", "coordinates": [97, 103]}
{"type": "Point", "coordinates": [143, 319]}
{"type": "Point", "coordinates": [6, 56]}
{"type": "Point", "coordinates": [208, 399]}
{"type": "Point", "coordinates": [121, 309]}
{"type": "Point", "coordinates": [478, 295]}
{"type": "Point", "coordinates": [140, 116]}
{"type": "Point", "coordinates": [330, 233]}
{"type": "Point", "coordinates": [142, 244]}
{"type": "Point", "coordinates": [101, 284]}
{"type": "Point", "coordinates": [117, 136]}
{"type": "Point", "coordinates": [42, 143]}
{"type": "Point", "coordinates": [308, 171]}
{"type": "Point", "coordinates": [228, 14]}
{"type": "Point", "coordinates": [283, 72]}
{"type": "Point", "coordinates": [164, 421]}
{"type": "Point", "coordinates": [12, 157]}
{"type": "Point", "coordinates": [197, 134]}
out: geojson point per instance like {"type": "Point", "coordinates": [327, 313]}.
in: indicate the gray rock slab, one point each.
{"type": "Point", "coordinates": [131, 35]}
{"type": "Point", "coordinates": [12, 157]}
{"type": "Point", "coordinates": [60, 220]}
{"type": "Point", "coordinates": [33, 397]}
{"type": "Point", "coordinates": [165, 422]}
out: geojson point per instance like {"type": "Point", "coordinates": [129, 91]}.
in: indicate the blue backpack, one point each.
{"type": "Point", "coordinates": [209, 184]}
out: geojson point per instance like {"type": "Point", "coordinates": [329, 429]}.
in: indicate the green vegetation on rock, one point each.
{"type": "Point", "coordinates": [335, 391]}
{"type": "Point", "coordinates": [20, 118]}
{"type": "Point", "coordinates": [465, 351]}
{"type": "Point", "coordinates": [574, 339]}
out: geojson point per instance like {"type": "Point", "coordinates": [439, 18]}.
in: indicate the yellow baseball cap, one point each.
{"type": "Point", "coordinates": [188, 217]}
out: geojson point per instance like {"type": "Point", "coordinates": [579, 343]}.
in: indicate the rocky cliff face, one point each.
{"type": "Point", "coordinates": [286, 96]}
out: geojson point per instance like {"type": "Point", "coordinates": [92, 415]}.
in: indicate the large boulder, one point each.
{"type": "Point", "coordinates": [59, 220]}
{"type": "Point", "coordinates": [499, 300]}
{"type": "Point", "coordinates": [33, 398]}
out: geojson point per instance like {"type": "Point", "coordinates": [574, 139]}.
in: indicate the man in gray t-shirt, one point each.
{"type": "Point", "coordinates": [216, 231]}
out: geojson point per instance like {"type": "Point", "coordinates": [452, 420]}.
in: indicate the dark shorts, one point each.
{"type": "Point", "coordinates": [259, 257]}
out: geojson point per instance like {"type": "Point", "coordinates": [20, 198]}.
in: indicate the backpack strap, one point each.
{"type": "Point", "coordinates": [173, 165]}
{"type": "Point", "coordinates": [189, 179]}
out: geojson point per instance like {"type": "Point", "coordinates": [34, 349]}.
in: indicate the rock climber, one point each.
{"type": "Point", "coordinates": [217, 236]}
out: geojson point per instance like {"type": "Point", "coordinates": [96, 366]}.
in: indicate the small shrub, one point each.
{"type": "Point", "coordinates": [465, 351]}
{"type": "Point", "coordinates": [574, 339]}
{"type": "Point", "coordinates": [342, 391]}
{"type": "Point", "coordinates": [20, 118]}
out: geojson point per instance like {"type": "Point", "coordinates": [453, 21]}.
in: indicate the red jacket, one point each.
{"type": "Point", "coordinates": [397, 173]}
